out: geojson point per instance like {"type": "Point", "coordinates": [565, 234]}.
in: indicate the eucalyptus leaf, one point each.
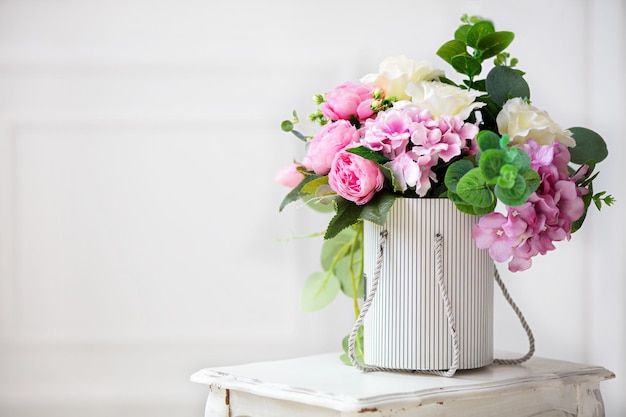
{"type": "Point", "coordinates": [493, 43]}
{"type": "Point", "coordinates": [504, 83]}
{"type": "Point", "coordinates": [466, 64]}
{"type": "Point", "coordinates": [589, 146]}
{"type": "Point", "coordinates": [461, 33]}
{"type": "Point", "coordinates": [478, 32]}
{"type": "Point", "coordinates": [319, 290]}
{"type": "Point", "coordinates": [451, 49]}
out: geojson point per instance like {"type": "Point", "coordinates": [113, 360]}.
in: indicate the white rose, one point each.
{"type": "Point", "coordinates": [443, 99]}
{"type": "Point", "coordinates": [394, 73]}
{"type": "Point", "coordinates": [523, 121]}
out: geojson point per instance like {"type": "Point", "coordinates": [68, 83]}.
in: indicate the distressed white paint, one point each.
{"type": "Point", "coordinates": [320, 385]}
{"type": "Point", "coordinates": [138, 215]}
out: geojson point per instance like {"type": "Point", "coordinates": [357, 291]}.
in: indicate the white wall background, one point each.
{"type": "Point", "coordinates": [139, 232]}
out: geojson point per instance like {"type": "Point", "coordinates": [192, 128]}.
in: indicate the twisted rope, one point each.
{"type": "Point", "coordinates": [449, 315]}
{"type": "Point", "coordinates": [518, 312]}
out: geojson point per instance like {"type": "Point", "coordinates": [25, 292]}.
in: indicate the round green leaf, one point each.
{"type": "Point", "coordinates": [455, 172]}
{"type": "Point", "coordinates": [286, 126]}
{"type": "Point", "coordinates": [318, 291]}
{"type": "Point", "coordinates": [589, 146]}
{"type": "Point", "coordinates": [473, 189]}
{"type": "Point", "coordinates": [486, 139]}
{"type": "Point", "coordinates": [504, 83]}
{"type": "Point", "coordinates": [513, 196]}
{"type": "Point", "coordinates": [491, 163]}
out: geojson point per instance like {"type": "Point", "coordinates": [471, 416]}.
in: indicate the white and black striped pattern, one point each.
{"type": "Point", "coordinates": [406, 326]}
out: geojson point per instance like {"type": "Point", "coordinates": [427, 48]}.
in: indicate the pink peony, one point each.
{"type": "Point", "coordinates": [289, 176]}
{"type": "Point", "coordinates": [355, 178]}
{"type": "Point", "coordinates": [349, 101]}
{"type": "Point", "coordinates": [330, 139]}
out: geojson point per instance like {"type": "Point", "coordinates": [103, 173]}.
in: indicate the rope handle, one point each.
{"type": "Point", "coordinates": [448, 310]}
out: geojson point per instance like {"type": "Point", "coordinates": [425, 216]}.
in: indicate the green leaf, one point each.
{"type": "Point", "coordinates": [473, 189]}
{"type": "Point", "coordinates": [460, 204]}
{"type": "Point", "coordinates": [533, 181]}
{"type": "Point", "coordinates": [331, 247]}
{"type": "Point", "coordinates": [478, 32]}
{"type": "Point", "coordinates": [508, 176]}
{"type": "Point", "coordinates": [519, 159]}
{"type": "Point", "coordinates": [450, 49]}
{"type": "Point", "coordinates": [513, 196]}
{"type": "Point", "coordinates": [296, 193]}
{"type": "Point", "coordinates": [369, 154]}
{"type": "Point", "coordinates": [347, 214]}
{"type": "Point", "coordinates": [377, 209]}
{"type": "Point", "coordinates": [454, 173]}
{"type": "Point", "coordinates": [312, 186]}
{"type": "Point", "coordinates": [466, 64]}
{"type": "Point", "coordinates": [589, 146]}
{"type": "Point", "coordinates": [319, 290]}
{"type": "Point", "coordinates": [461, 33]}
{"type": "Point", "coordinates": [286, 126]}
{"type": "Point", "coordinates": [344, 271]}
{"type": "Point", "coordinates": [491, 163]}
{"type": "Point", "coordinates": [486, 139]}
{"type": "Point", "coordinates": [504, 83]}
{"type": "Point", "coordinates": [494, 43]}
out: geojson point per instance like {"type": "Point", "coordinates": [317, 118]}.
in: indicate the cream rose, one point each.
{"type": "Point", "coordinates": [394, 73]}
{"type": "Point", "coordinates": [443, 99]}
{"type": "Point", "coordinates": [523, 121]}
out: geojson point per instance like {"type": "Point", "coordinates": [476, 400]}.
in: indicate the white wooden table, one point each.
{"type": "Point", "coordinates": [321, 385]}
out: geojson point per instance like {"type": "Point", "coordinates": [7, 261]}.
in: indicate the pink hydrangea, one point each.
{"type": "Point", "coordinates": [415, 141]}
{"type": "Point", "coordinates": [547, 217]}
{"type": "Point", "coordinates": [355, 178]}
{"type": "Point", "coordinates": [389, 133]}
{"type": "Point", "coordinates": [329, 140]}
{"type": "Point", "coordinates": [349, 101]}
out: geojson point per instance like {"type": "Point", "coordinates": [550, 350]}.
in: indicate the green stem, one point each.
{"type": "Point", "coordinates": [356, 278]}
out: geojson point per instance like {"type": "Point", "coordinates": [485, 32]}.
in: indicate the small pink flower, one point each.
{"type": "Point", "coordinates": [349, 101]}
{"type": "Point", "coordinates": [289, 176]}
{"type": "Point", "coordinates": [355, 178]}
{"type": "Point", "coordinates": [488, 233]}
{"type": "Point", "coordinates": [330, 139]}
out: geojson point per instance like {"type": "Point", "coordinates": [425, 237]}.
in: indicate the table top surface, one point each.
{"type": "Point", "coordinates": [323, 380]}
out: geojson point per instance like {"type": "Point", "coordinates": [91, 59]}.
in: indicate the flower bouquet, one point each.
{"type": "Point", "coordinates": [408, 131]}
